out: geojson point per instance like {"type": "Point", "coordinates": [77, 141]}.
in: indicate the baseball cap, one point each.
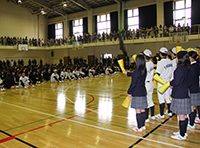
{"type": "Point", "coordinates": [163, 50]}
{"type": "Point", "coordinates": [55, 70]}
{"type": "Point", "coordinates": [173, 50]}
{"type": "Point", "coordinates": [147, 52]}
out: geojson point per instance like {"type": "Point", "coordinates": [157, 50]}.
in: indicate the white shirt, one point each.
{"type": "Point", "coordinates": [52, 77]}
{"type": "Point", "coordinates": [174, 66]}
{"type": "Point", "coordinates": [150, 71]}
{"type": "Point", "coordinates": [107, 72]}
{"type": "Point", "coordinates": [63, 74]}
{"type": "Point", "coordinates": [164, 68]}
{"type": "Point", "coordinates": [24, 79]}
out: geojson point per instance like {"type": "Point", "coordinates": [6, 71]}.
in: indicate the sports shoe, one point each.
{"type": "Point", "coordinates": [168, 114]}
{"type": "Point", "coordinates": [136, 129]}
{"type": "Point", "coordinates": [152, 117]}
{"type": "Point", "coordinates": [159, 116]}
{"type": "Point", "coordinates": [191, 127]}
{"type": "Point", "coordinates": [2, 89]}
{"type": "Point", "coordinates": [147, 120]}
{"type": "Point", "coordinates": [178, 137]}
{"type": "Point", "coordinates": [177, 133]}
{"type": "Point", "coordinates": [197, 120]}
{"type": "Point", "coordinates": [143, 128]}
{"type": "Point", "coordinates": [25, 86]}
{"type": "Point", "coordinates": [33, 86]}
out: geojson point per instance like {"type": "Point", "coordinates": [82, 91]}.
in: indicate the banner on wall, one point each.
{"type": "Point", "coordinates": [22, 47]}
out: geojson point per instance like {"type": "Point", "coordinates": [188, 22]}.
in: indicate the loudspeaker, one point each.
{"type": "Point", "coordinates": [52, 53]}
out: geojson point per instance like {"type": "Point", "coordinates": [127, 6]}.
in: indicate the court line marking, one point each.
{"type": "Point", "coordinates": [89, 125]}
{"type": "Point", "coordinates": [20, 140]}
{"type": "Point", "coordinates": [154, 129]}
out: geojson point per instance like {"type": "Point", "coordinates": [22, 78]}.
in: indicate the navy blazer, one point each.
{"type": "Point", "coordinates": [180, 83]}
{"type": "Point", "coordinates": [194, 79]}
{"type": "Point", "coordinates": [137, 86]}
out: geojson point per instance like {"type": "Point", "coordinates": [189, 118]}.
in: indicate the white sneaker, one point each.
{"type": "Point", "coordinates": [152, 117]}
{"type": "Point", "coordinates": [168, 114]}
{"type": "Point", "coordinates": [143, 128]}
{"type": "Point", "coordinates": [197, 120]}
{"type": "Point", "coordinates": [147, 120]}
{"type": "Point", "coordinates": [177, 133]}
{"type": "Point", "coordinates": [25, 86]}
{"type": "Point", "coordinates": [2, 89]}
{"type": "Point", "coordinates": [178, 137]}
{"type": "Point", "coordinates": [33, 86]}
{"type": "Point", "coordinates": [136, 129]}
{"type": "Point", "coordinates": [159, 116]}
{"type": "Point", "coordinates": [191, 127]}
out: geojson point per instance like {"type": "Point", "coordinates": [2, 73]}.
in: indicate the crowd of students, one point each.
{"type": "Point", "coordinates": [127, 34]}
{"type": "Point", "coordinates": [30, 75]}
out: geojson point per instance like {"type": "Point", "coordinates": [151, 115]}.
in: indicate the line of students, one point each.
{"type": "Point", "coordinates": [184, 89]}
{"type": "Point", "coordinates": [30, 75]}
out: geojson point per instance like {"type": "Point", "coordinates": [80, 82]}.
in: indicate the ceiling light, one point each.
{"type": "Point", "coordinates": [19, 1]}
{"type": "Point", "coordinates": [64, 4]}
{"type": "Point", "coordinates": [43, 12]}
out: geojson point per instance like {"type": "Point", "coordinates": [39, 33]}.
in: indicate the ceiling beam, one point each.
{"type": "Point", "coordinates": [81, 3]}
{"type": "Point", "coordinates": [96, 2]}
{"type": "Point", "coordinates": [107, 1]}
{"type": "Point", "coordinates": [48, 6]}
{"type": "Point", "coordinates": [118, 1]}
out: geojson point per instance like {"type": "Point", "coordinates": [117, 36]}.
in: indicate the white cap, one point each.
{"type": "Point", "coordinates": [163, 50]}
{"type": "Point", "coordinates": [147, 52]}
{"type": "Point", "coordinates": [173, 50]}
{"type": "Point", "coordinates": [192, 49]}
{"type": "Point", "coordinates": [55, 70]}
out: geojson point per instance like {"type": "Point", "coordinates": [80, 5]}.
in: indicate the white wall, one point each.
{"type": "Point", "coordinates": [19, 22]}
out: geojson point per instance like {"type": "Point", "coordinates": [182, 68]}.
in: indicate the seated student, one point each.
{"type": "Point", "coordinates": [1, 85]}
{"type": "Point", "coordinates": [33, 77]}
{"type": "Point", "coordinates": [108, 70]}
{"type": "Point", "coordinates": [63, 75]}
{"type": "Point", "coordinates": [24, 81]}
{"type": "Point", "coordinates": [2, 76]}
{"type": "Point", "coordinates": [76, 73]}
{"type": "Point", "coordinates": [42, 77]}
{"type": "Point", "coordinates": [92, 72]}
{"type": "Point", "coordinates": [69, 75]}
{"type": "Point", "coordinates": [48, 75]}
{"type": "Point", "coordinates": [81, 73]}
{"type": "Point", "coordinates": [116, 69]}
{"type": "Point", "coordinates": [15, 78]}
{"type": "Point", "coordinates": [9, 81]}
{"type": "Point", "coordinates": [55, 77]}
{"type": "Point", "coordinates": [85, 70]}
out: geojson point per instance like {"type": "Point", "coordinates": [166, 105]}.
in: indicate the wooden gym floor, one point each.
{"type": "Point", "coordinates": [81, 114]}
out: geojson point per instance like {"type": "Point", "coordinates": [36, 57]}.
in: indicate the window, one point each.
{"type": "Point", "coordinates": [103, 23]}
{"type": "Point", "coordinates": [182, 12]}
{"type": "Point", "coordinates": [133, 19]}
{"type": "Point", "coordinates": [59, 30]}
{"type": "Point", "coordinates": [78, 27]}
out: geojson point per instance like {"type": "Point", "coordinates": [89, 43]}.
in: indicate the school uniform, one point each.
{"type": "Point", "coordinates": [137, 90]}
{"type": "Point", "coordinates": [180, 92]}
{"type": "Point", "coordinates": [108, 71]}
{"type": "Point", "coordinates": [24, 81]}
{"type": "Point", "coordinates": [139, 100]}
{"type": "Point", "coordinates": [194, 87]}
{"type": "Point", "coordinates": [54, 77]}
{"type": "Point", "coordinates": [63, 75]}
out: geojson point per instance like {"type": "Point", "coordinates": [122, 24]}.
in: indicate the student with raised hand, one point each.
{"type": "Point", "coordinates": [137, 92]}
{"type": "Point", "coordinates": [181, 104]}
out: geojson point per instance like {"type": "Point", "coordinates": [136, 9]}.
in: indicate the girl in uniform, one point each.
{"type": "Point", "coordinates": [181, 101]}
{"type": "Point", "coordinates": [137, 91]}
{"type": "Point", "coordinates": [194, 88]}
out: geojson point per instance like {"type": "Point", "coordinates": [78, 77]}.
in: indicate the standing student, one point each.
{"type": "Point", "coordinates": [181, 104]}
{"type": "Point", "coordinates": [149, 84]}
{"type": "Point", "coordinates": [194, 88]}
{"type": "Point", "coordinates": [137, 92]}
{"type": "Point", "coordinates": [164, 70]}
